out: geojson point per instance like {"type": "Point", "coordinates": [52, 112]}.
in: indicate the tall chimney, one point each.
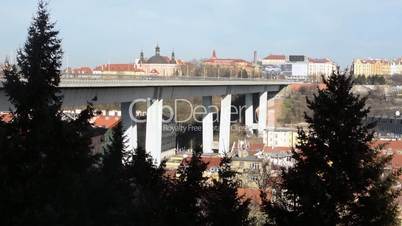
{"type": "Point", "coordinates": [255, 57]}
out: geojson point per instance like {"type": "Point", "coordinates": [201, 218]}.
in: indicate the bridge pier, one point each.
{"type": "Point", "coordinates": [207, 126]}
{"type": "Point", "coordinates": [262, 112]}
{"type": "Point", "coordinates": [224, 124]}
{"type": "Point", "coordinates": [153, 136]}
{"type": "Point", "coordinates": [249, 117]}
{"type": "Point", "coordinates": [77, 92]}
{"type": "Point", "coordinates": [129, 126]}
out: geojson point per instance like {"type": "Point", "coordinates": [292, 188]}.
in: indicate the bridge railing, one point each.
{"type": "Point", "coordinates": [152, 77]}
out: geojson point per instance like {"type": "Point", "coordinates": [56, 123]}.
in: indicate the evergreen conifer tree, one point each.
{"type": "Point", "coordinates": [187, 200]}
{"type": "Point", "coordinates": [114, 154]}
{"type": "Point", "coordinates": [43, 159]}
{"type": "Point", "coordinates": [148, 190]}
{"type": "Point", "coordinates": [224, 206]}
{"type": "Point", "coordinates": [338, 177]}
{"type": "Point", "coordinates": [110, 190]}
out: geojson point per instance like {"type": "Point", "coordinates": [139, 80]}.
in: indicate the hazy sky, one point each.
{"type": "Point", "coordinates": [102, 31]}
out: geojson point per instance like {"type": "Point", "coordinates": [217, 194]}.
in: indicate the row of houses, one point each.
{"type": "Point", "coordinates": [383, 67]}
{"type": "Point", "coordinates": [297, 67]}
{"type": "Point", "coordinates": [157, 65]}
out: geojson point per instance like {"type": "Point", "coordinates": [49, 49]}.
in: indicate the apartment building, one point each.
{"type": "Point", "coordinates": [319, 67]}
{"type": "Point", "coordinates": [370, 67]}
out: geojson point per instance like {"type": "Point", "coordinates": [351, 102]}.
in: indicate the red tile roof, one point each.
{"type": "Point", "coordinates": [118, 67]}
{"type": "Point", "coordinates": [298, 86]}
{"type": "Point", "coordinates": [270, 149]}
{"type": "Point", "coordinates": [395, 147]}
{"type": "Point", "coordinates": [319, 61]}
{"type": "Point", "coordinates": [254, 148]}
{"type": "Point", "coordinates": [275, 57]}
{"type": "Point", "coordinates": [212, 161]}
{"type": "Point", "coordinates": [225, 61]}
{"type": "Point", "coordinates": [82, 70]}
{"type": "Point", "coordinates": [106, 121]}
{"type": "Point", "coordinates": [373, 61]}
{"type": "Point", "coordinates": [228, 61]}
{"type": "Point", "coordinates": [396, 161]}
{"type": "Point", "coordinates": [250, 193]}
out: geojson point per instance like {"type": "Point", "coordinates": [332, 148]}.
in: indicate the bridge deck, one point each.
{"type": "Point", "coordinates": [77, 91]}
{"type": "Point", "coordinates": [88, 81]}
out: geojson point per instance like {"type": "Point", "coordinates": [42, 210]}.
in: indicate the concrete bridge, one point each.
{"type": "Point", "coordinates": [114, 89]}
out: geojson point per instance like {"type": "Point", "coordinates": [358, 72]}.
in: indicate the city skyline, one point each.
{"type": "Point", "coordinates": [116, 31]}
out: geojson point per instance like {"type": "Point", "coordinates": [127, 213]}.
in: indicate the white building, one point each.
{"type": "Point", "coordinates": [396, 67]}
{"type": "Point", "coordinates": [281, 159]}
{"type": "Point", "coordinates": [318, 67]}
{"type": "Point", "coordinates": [280, 137]}
{"type": "Point", "coordinates": [299, 67]}
{"type": "Point", "coordinates": [274, 60]}
{"type": "Point", "coordinates": [299, 70]}
{"type": "Point", "coordinates": [277, 157]}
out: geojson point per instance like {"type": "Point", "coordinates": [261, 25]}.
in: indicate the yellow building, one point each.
{"type": "Point", "coordinates": [249, 169]}
{"type": "Point", "coordinates": [228, 67]}
{"type": "Point", "coordinates": [370, 67]}
{"type": "Point", "coordinates": [109, 69]}
{"type": "Point", "coordinates": [211, 172]}
{"type": "Point", "coordinates": [174, 162]}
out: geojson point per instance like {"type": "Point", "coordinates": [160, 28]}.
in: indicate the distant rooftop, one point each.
{"type": "Point", "coordinates": [319, 61]}
{"type": "Point", "coordinates": [214, 59]}
{"type": "Point", "coordinates": [105, 121]}
{"type": "Point", "coordinates": [275, 57]}
{"type": "Point", "coordinates": [117, 67]}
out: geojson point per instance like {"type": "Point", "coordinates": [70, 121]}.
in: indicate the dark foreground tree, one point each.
{"type": "Point", "coordinates": [128, 189]}
{"type": "Point", "coordinates": [224, 206]}
{"type": "Point", "coordinates": [148, 190]}
{"type": "Point", "coordinates": [110, 189]}
{"type": "Point", "coordinates": [339, 177]}
{"type": "Point", "coordinates": [48, 175]}
{"type": "Point", "coordinates": [187, 197]}
{"type": "Point", "coordinates": [43, 159]}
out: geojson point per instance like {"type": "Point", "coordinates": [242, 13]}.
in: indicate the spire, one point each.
{"type": "Point", "coordinates": [173, 58]}
{"type": "Point", "coordinates": [157, 50]}
{"type": "Point", "coordinates": [142, 59]}
{"type": "Point", "coordinates": [213, 54]}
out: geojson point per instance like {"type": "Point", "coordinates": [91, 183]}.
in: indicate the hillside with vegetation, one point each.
{"type": "Point", "coordinates": [383, 100]}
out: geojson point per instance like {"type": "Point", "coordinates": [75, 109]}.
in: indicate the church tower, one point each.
{"type": "Point", "coordinates": [157, 50]}
{"type": "Point", "coordinates": [173, 58]}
